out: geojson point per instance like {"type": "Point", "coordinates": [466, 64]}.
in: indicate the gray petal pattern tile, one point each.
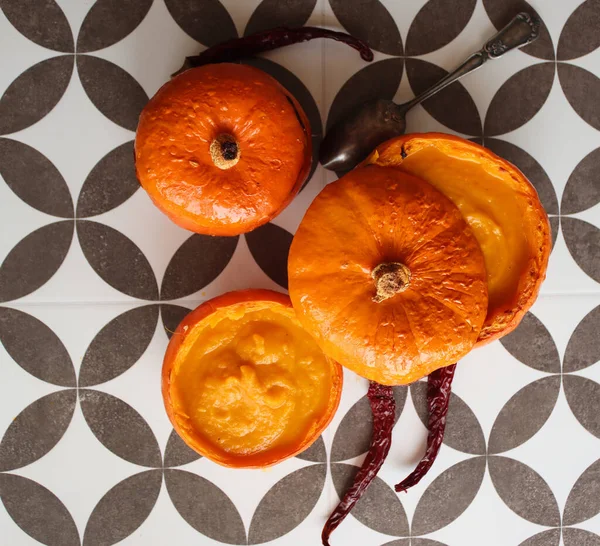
{"type": "Point", "coordinates": [437, 24]}
{"type": "Point", "coordinates": [580, 87]}
{"type": "Point", "coordinates": [31, 176]}
{"type": "Point", "coordinates": [197, 262]}
{"type": "Point", "coordinates": [379, 508]}
{"type": "Point", "coordinates": [270, 246]}
{"type": "Point", "coordinates": [123, 509]}
{"type": "Point", "coordinates": [583, 349]}
{"type": "Point", "coordinates": [34, 260]}
{"type": "Point", "coordinates": [583, 396]}
{"type": "Point", "coordinates": [463, 431]}
{"type": "Point", "coordinates": [583, 186]}
{"type": "Point", "coordinates": [178, 453]}
{"type": "Point", "coordinates": [110, 183]}
{"type": "Point", "coordinates": [208, 22]}
{"type": "Point", "coordinates": [205, 507]}
{"type": "Point", "coordinates": [120, 428]}
{"type": "Point", "coordinates": [454, 107]}
{"type": "Point", "coordinates": [580, 34]}
{"type": "Point", "coordinates": [580, 537]}
{"type": "Point", "coordinates": [36, 348]}
{"type": "Point", "coordinates": [117, 260]}
{"type": "Point", "coordinates": [519, 99]}
{"type": "Point", "coordinates": [583, 242]}
{"type": "Point", "coordinates": [554, 227]}
{"type": "Point", "coordinates": [379, 80]}
{"type": "Point", "coordinates": [448, 496]}
{"type": "Point", "coordinates": [316, 453]}
{"type": "Point", "coordinates": [545, 538]}
{"type": "Point", "coordinates": [109, 21]}
{"type": "Point", "coordinates": [34, 93]}
{"type": "Point", "coordinates": [112, 90]}
{"type": "Point", "coordinates": [524, 491]}
{"type": "Point", "coordinates": [583, 501]}
{"type": "Point", "coordinates": [38, 511]}
{"type": "Point", "coordinates": [42, 21]}
{"type": "Point", "coordinates": [287, 504]}
{"type": "Point", "coordinates": [353, 435]}
{"type": "Point", "coordinates": [274, 13]}
{"type": "Point", "coordinates": [524, 414]}
{"type": "Point", "coordinates": [371, 21]}
{"type": "Point", "coordinates": [118, 346]}
{"type": "Point", "coordinates": [37, 429]}
{"type": "Point", "coordinates": [532, 345]}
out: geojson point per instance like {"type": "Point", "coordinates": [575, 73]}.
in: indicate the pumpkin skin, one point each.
{"type": "Point", "coordinates": [383, 322]}
{"type": "Point", "coordinates": [223, 148]}
{"type": "Point", "coordinates": [500, 205]}
{"type": "Point", "coordinates": [201, 392]}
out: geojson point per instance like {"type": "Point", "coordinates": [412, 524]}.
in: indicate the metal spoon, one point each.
{"type": "Point", "coordinates": [350, 140]}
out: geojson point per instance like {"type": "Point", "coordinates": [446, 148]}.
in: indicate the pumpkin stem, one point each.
{"type": "Point", "coordinates": [390, 279]}
{"type": "Point", "coordinates": [224, 151]}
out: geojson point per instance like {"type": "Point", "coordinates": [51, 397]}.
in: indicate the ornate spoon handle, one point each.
{"type": "Point", "coordinates": [522, 30]}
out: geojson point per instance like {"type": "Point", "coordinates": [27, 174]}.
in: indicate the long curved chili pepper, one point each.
{"type": "Point", "coordinates": [383, 407]}
{"type": "Point", "coordinates": [439, 385]}
{"type": "Point", "coordinates": [266, 40]}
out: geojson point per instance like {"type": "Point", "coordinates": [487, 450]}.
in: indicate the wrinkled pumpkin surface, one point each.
{"type": "Point", "coordinates": [499, 204]}
{"type": "Point", "coordinates": [223, 148]}
{"type": "Point", "coordinates": [388, 276]}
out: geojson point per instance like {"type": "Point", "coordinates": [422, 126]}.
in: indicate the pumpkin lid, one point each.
{"type": "Point", "coordinates": [387, 275]}
{"type": "Point", "coordinates": [244, 384]}
{"type": "Point", "coordinates": [502, 208]}
{"type": "Point", "coordinates": [222, 148]}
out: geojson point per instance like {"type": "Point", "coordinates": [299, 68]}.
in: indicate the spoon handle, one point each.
{"type": "Point", "coordinates": [522, 30]}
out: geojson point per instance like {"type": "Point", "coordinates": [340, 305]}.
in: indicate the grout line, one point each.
{"type": "Point", "coordinates": [323, 89]}
{"type": "Point", "coordinates": [137, 303]}
{"type": "Point", "coordinates": [197, 301]}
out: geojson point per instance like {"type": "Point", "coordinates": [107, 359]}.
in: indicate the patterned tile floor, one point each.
{"type": "Point", "coordinates": [93, 279]}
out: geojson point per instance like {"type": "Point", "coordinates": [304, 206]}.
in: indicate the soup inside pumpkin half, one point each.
{"type": "Point", "coordinates": [245, 385]}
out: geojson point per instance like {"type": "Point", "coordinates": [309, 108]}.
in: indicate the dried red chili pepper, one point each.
{"type": "Point", "coordinates": [266, 40]}
{"type": "Point", "coordinates": [383, 407]}
{"type": "Point", "coordinates": [439, 384]}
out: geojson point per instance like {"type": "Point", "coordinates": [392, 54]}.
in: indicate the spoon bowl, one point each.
{"type": "Point", "coordinates": [354, 137]}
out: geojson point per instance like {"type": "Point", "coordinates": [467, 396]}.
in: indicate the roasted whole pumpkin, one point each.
{"type": "Point", "coordinates": [500, 205]}
{"type": "Point", "coordinates": [244, 385]}
{"type": "Point", "coordinates": [221, 149]}
{"type": "Point", "coordinates": [387, 275]}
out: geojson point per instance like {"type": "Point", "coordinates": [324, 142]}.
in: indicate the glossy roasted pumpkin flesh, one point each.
{"type": "Point", "coordinates": [490, 200]}
{"type": "Point", "coordinates": [250, 381]}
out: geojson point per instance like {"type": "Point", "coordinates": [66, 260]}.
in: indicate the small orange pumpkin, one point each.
{"type": "Point", "coordinates": [502, 208]}
{"type": "Point", "coordinates": [387, 276]}
{"type": "Point", "coordinates": [222, 149]}
{"type": "Point", "coordinates": [244, 385]}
